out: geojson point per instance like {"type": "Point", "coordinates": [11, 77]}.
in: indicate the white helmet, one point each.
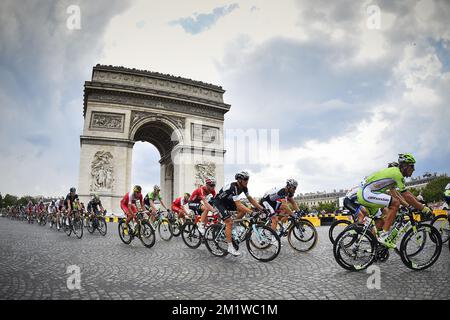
{"type": "Point", "coordinates": [292, 183]}
{"type": "Point", "coordinates": [242, 175]}
{"type": "Point", "coordinates": [447, 187]}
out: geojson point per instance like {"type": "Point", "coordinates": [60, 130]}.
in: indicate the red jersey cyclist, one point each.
{"type": "Point", "coordinates": [178, 205]}
{"type": "Point", "coordinates": [128, 203]}
{"type": "Point", "coordinates": [199, 204]}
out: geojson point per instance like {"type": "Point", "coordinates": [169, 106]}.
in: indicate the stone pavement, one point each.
{"type": "Point", "coordinates": [34, 261]}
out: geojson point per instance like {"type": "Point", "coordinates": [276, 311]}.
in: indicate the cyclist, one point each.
{"type": "Point", "coordinates": [69, 202]}
{"type": "Point", "coordinates": [373, 196]}
{"type": "Point", "coordinates": [52, 211]}
{"type": "Point", "coordinates": [200, 205]}
{"type": "Point", "coordinates": [447, 195]}
{"type": "Point", "coordinates": [151, 199]}
{"type": "Point", "coordinates": [95, 207]}
{"type": "Point", "coordinates": [276, 201]}
{"type": "Point", "coordinates": [128, 204]}
{"type": "Point", "coordinates": [40, 207]}
{"type": "Point", "coordinates": [59, 211]}
{"type": "Point", "coordinates": [178, 205]}
{"type": "Point", "coordinates": [228, 199]}
{"type": "Point", "coordinates": [358, 211]}
{"type": "Point", "coordinates": [30, 208]}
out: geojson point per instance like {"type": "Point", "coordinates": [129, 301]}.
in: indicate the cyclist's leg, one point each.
{"type": "Point", "coordinates": [125, 211]}
{"type": "Point", "coordinates": [204, 214]}
{"type": "Point", "coordinates": [374, 201]}
{"type": "Point", "coordinates": [272, 214]}
{"type": "Point", "coordinates": [226, 218]}
{"type": "Point", "coordinates": [179, 211]}
{"type": "Point", "coordinates": [195, 207]}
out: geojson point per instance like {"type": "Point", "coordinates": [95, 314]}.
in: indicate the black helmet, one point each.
{"type": "Point", "coordinates": [73, 189]}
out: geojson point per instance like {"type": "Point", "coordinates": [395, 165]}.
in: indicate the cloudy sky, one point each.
{"type": "Point", "coordinates": [347, 85]}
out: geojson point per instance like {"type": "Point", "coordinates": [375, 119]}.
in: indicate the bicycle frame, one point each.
{"type": "Point", "coordinates": [403, 226]}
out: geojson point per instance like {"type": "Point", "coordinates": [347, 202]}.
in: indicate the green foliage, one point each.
{"type": "Point", "coordinates": [328, 207]}
{"type": "Point", "coordinates": [303, 206]}
{"type": "Point", "coordinates": [23, 201]}
{"type": "Point", "coordinates": [434, 191]}
{"type": "Point", "coordinates": [9, 200]}
{"type": "Point", "coordinates": [414, 191]}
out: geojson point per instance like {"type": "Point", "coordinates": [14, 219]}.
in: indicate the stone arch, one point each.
{"type": "Point", "coordinates": [164, 135]}
{"type": "Point", "coordinates": [181, 117]}
{"type": "Point", "coordinates": [156, 119]}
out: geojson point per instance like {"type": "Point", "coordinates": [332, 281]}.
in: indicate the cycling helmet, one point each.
{"type": "Point", "coordinates": [73, 189]}
{"type": "Point", "coordinates": [447, 187]}
{"type": "Point", "coordinates": [291, 183]}
{"type": "Point", "coordinates": [95, 197]}
{"type": "Point", "coordinates": [392, 164]}
{"type": "Point", "coordinates": [137, 188]}
{"type": "Point", "coordinates": [156, 187]}
{"type": "Point", "coordinates": [242, 175]}
{"type": "Point", "coordinates": [406, 158]}
{"type": "Point", "coordinates": [188, 195]}
{"type": "Point", "coordinates": [210, 181]}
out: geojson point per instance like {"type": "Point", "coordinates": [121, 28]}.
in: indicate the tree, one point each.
{"type": "Point", "coordinates": [1, 201]}
{"type": "Point", "coordinates": [328, 207]}
{"type": "Point", "coordinates": [303, 206]}
{"type": "Point", "coordinates": [9, 200]}
{"type": "Point", "coordinates": [434, 191]}
{"type": "Point", "coordinates": [414, 191]}
{"type": "Point", "coordinates": [23, 201]}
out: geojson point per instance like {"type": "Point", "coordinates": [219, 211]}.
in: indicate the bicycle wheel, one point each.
{"type": "Point", "coordinates": [147, 234]}
{"type": "Point", "coordinates": [302, 236]}
{"type": "Point", "coordinates": [102, 226]}
{"type": "Point", "coordinates": [215, 240]}
{"type": "Point", "coordinates": [67, 228]}
{"type": "Point", "coordinates": [165, 229]}
{"type": "Point", "coordinates": [191, 235]}
{"type": "Point", "coordinates": [124, 234]}
{"type": "Point", "coordinates": [78, 227]}
{"type": "Point", "coordinates": [43, 220]}
{"type": "Point", "coordinates": [354, 249]}
{"type": "Point", "coordinates": [257, 243]}
{"type": "Point", "coordinates": [336, 228]}
{"type": "Point", "coordinates": [441, 222]}
{"type": "Point", "coordinates": [426, 237]}
{"type": "Point", "coordinates": [90, 226]}
{"type": "Point", "coordinates": [176, 228]}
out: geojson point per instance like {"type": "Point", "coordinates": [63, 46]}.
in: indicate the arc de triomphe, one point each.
{"type": "Point", "coordinates": [182, 118]}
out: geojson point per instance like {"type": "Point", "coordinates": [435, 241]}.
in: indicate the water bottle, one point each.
{"type": "Point", "coordinates": [234, 233]}
{"type": "Point", "coordinates": [405, 227]}
{"type": "Point", "coordinates": [393, 233]}
{"type": "Point", "coordinates": [241, 230]}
